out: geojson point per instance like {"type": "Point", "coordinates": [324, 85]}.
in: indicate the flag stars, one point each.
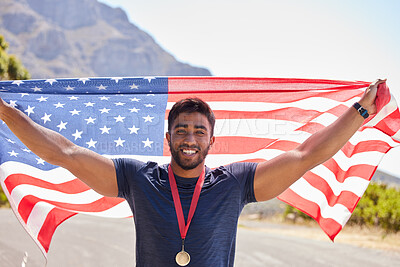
{"type": "Point", "coordinates": [29, 110]}
{"type": "Point", "coordinates": [119, 142]}
{"type": "Point", "coordinates": [50, 81]}
{"type": "Point", "coordinates": [134, 110]}
{"type": "Point", "coordinates": [133, 129]}
{"type": "Point", "coordinates": [69, 88]}
{"type": "Point", "coordinates": [104, 98]}
{"type": "Point", "coordinates": [84, 80]}
{"type": "Point", "coordinates": [17, 82]}
{"type": "Point", "coordinates": [61, 126]}
{"type": "Point", "coordinates": [13, 154]}
{"type": "Point", "coordinates": [75, 112]}
{"type": "Point", "coordinates": [149, 105]}
{"type": "Point", "coordinates": [147, 143]}
{"type": "Point", "coordinates": [134, 86]}
{"type": "Point", "coordinates": [104, 110]}
{"type": "Point", "coordinates": [59, 105]}
{"type": "Point", "coordinates": [10, 141]}
{"type": "Point", "coordinates": [148, 118]}
{"type": "Point", "coordinates": [135, 99]}
{"type": "Point", "coordinates": [73, 98]}
{"type": "Point", "coordinates": [119, 119]}
{"type": "Point", "coordinates": [101, 87]}
{"type": "Point", "coordinates": [105, 130]}
{"type": "Point", "coordinates": [13, 103]}
{"type": "Point", "coordinates": [119, 104]}
{"type": "Point", "coordinates": [26, 150]}
{"type": "Point", "coordinates": [116, 79]}
{"type": "Point", "coordinates": [40, 161]}
{"type": "Point", "coordinates": [46, 118]}
{"type": "Point", "coordinates": [89, 104]}
{"type": "Point", "coordinates": [91, 143]}
{"type": "Point", "coordinates": [42, 99]}
{"type": "Point", "coordinates": [77, 134]}
{"type": "Point", "coordinates": [36, 89]}
{"type": "Point", "coordinates": [23, 94]}
{"type": "Point", "coordinates": [149, 78]}
{"type": "Point", "coordinates": [90, 120]}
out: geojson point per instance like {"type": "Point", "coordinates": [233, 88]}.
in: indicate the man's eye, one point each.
{"type": "Point", "coordinates": [200, 133]}
{"type": "Point", "coordinates": [180, 131]}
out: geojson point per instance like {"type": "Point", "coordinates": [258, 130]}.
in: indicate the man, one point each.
{"type": "Point", "coordinates": [185, 213]}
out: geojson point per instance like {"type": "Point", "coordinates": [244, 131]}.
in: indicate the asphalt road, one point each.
{"type": "Point", "coordinates": [89, 241]}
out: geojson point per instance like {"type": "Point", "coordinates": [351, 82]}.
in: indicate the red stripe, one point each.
{"type": "Point", "coordinates": [329, 226]}
{"type": "Point", "coordinates": [28, 202]}
{"type": "Point", "coordinates": [218, 84]}
{"type": "Point", "coordinates": [71, 187]}
{"type": "Point", "coordinates": [272, 97]}
{"type": "Point", "coordinates": [391, 124]}
{"type": "Point", "coordinates": [54, 218]}
{"type": "Point", "coordinates": [231, 145]}
{"type": "Point", "coordinates": [359, 170]}
{"type": "Point", "coordinates": [346, 198]}
{"type": "Point", "coordinates": [288, 114]}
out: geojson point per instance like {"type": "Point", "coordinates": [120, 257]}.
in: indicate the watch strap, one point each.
{"type": "Point", "coordinates": [363, 112]}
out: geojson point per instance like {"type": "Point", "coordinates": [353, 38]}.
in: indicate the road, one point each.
{"type": "Point", "coordinates": [90, 241]}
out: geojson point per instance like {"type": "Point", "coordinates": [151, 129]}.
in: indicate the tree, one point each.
{"type": "Point", "coordinates": [10, 66]}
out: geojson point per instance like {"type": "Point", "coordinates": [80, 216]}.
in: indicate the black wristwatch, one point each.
{"type": "Point", "coordinates": [363, 112]}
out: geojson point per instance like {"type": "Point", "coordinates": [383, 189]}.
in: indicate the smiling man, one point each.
{"type": "Point", "coordinates": [186, 213]}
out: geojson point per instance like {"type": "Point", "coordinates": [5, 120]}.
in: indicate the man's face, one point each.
{"type": "Point", "coordinates": [190, 139]}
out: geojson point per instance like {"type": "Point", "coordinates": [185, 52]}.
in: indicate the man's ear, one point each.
{"type": "Point", "coordinates": [212, 140]}
{"type": "Point", "coordinates": [168, 136]}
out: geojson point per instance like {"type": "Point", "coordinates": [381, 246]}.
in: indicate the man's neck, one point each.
{"type": "Point", "coordinates": [186, 173]}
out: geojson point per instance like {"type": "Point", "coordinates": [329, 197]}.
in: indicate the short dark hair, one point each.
{"type": "Point", "coordinates": [191, 105]}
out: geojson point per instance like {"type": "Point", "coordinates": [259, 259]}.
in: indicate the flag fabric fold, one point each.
{"type": "Point", "coordinates": [256, 120]}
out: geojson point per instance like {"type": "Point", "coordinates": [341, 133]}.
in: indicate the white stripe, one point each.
{"type": "Point", "coordinates": [257, 128]}
{"type": "Point", "coordinates": [338, 212]}
{"type": "Point", "coordinates": [121, 210]}
{"type": "Point", "coordinates": [370, 158]}
{"type": "Point", "coordinates": [23, 190]}
{"type": "Point", "coordinates": [324, 104]}
{"type": "Point", "coordinates": [385, 111]}
{"type": "Point", "coordinates": [56, 176]}
{"type": "Point", "coordinates": [353, 184]}
{"type": "Point", "coordinates": [37, 217]}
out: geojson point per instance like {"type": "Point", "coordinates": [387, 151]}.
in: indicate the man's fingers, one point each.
{"type": "Point", "coordinates": [378, 82]}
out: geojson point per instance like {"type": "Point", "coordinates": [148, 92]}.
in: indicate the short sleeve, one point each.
{"type": "Point", "coordinates": [126, 170]}
{"type": "Point", "coordinates": [244, 173]}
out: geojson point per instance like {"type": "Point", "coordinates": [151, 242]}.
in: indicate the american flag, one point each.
{"type": "Point", "coordinates": [257, 119]}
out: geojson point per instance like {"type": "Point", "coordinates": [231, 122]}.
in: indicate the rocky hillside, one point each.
{"type": "Point", "coordinates": [80, 38]}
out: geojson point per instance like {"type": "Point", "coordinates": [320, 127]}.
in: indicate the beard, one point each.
{"type": "Point", "coordinates": [188, 165]}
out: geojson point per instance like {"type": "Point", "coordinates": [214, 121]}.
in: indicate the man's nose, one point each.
{"type": "Point", "coordinates": [189, 138]}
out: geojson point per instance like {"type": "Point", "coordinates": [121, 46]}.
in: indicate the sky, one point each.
{"type": "Point", "coordinates": [340, 40]}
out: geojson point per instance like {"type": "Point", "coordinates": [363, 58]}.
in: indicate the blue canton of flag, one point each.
{"type": "Point", "coordinates": [107, 115]}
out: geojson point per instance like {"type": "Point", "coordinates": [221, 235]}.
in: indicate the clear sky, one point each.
{"type": "Point", "coordinates": [341, 39]}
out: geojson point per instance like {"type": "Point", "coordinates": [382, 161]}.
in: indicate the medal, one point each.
{"type": "Point", "coordinates": [182, 258]}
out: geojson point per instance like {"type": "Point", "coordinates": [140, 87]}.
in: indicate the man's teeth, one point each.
{"type": "Point", "coordinates": [189, 152]}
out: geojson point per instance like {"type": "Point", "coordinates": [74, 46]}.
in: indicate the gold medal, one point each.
{"type": "Point", "coordinates": [182, 258]}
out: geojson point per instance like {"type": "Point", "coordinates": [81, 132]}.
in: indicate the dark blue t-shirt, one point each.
{"type": "Point", "coordinates": [211, 237]}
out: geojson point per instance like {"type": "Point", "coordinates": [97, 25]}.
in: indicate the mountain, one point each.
{"type": "Point", "coordinates": [385, 178]}
{"type": "Point", "coordinates": [83, 38]}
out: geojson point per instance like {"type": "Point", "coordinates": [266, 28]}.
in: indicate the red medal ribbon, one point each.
{"type": "Point", "coordinates": [177, 201]}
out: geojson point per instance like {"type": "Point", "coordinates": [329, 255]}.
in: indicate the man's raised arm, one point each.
{"type": "Point", "coordinates": [93, 169]}
{"type": "Point", "coordinates": [275, 176]}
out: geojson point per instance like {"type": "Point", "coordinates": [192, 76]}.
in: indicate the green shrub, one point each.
{"type": "Point", "coordinates": [379, 206]}
{"type": "Point", "coordinates": [3, 199]}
